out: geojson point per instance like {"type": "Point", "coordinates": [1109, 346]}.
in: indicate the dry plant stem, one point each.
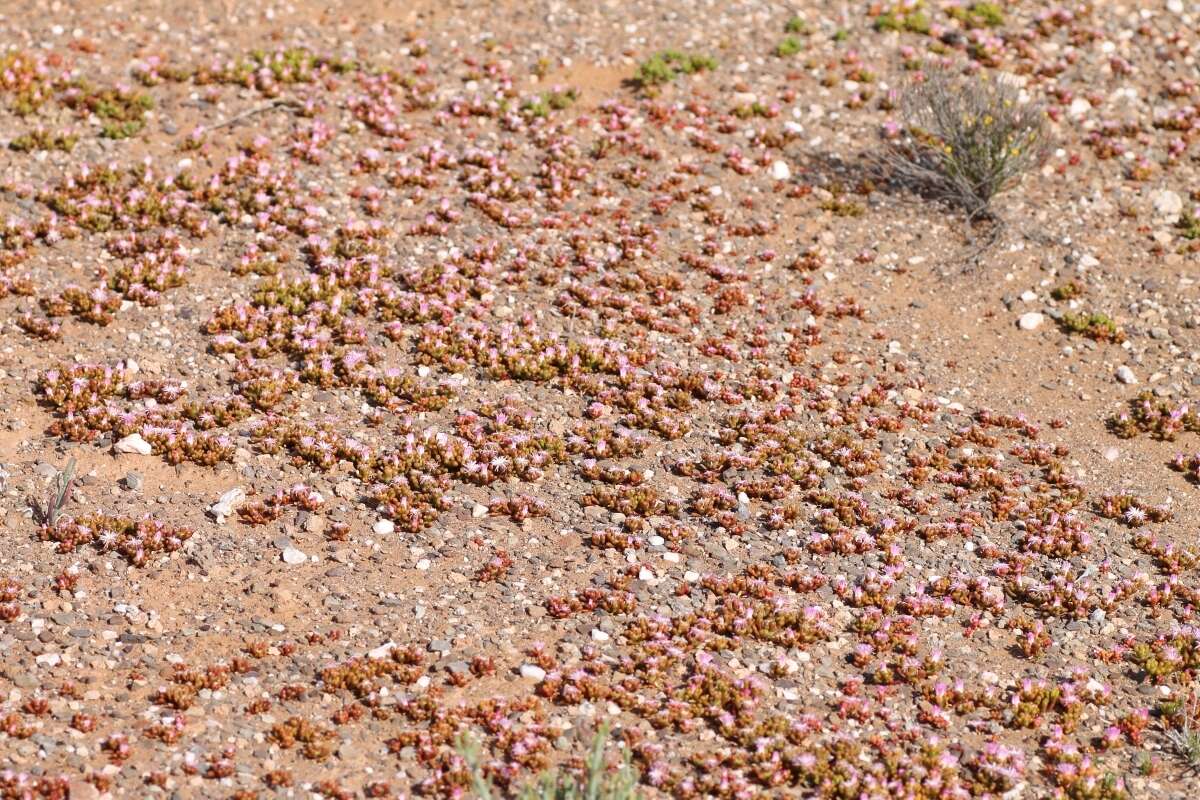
{"type": "Point", "coordinates": [236, 118]}
{"type": "Point", "coordinates": [978, 246]}
{"type": "Point", "coordinates": [1185, 742]}
{"type": "Point", "coordinates": [598, 784]}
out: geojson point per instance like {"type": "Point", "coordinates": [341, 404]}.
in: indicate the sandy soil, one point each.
{"type": "Point", "coordinates": [558, 400]}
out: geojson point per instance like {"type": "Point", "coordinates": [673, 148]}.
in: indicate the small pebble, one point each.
{"type": "Point", "coordinates": [293, 555]}
{"type": "Point", "coordinates": [382, 651]}
{"type": "Point", "coordinates": [1168, 205]}
{"type": "Point", "coordinates": [533, 672]}
{"type": "Point", "coordinates": [1079, 107]}
{"type": "Point", "coordinates": [134, 444]}
{"type": "Point", "coordinates": [223, 508]}
{"type": "Point", "coordinates": [1031, 321]}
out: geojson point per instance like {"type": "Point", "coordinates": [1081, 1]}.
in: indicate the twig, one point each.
{"type": "Point", "coordinates": [976, 247]}
{"type": "Point", "coordinates": [276, 103]}
{"type": "Point", "coordinates": [973, 249]}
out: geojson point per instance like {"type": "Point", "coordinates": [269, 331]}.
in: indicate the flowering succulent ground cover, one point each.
{"type": "Point", "coordinates": [562, 365]}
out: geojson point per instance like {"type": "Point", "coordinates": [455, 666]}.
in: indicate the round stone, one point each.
{"type": "Point", "coordinates": [533, 672]}
{"type": "Point", "coordinates": [293, 555]}
{"type": "Point", "coordinates": [1031, 321]}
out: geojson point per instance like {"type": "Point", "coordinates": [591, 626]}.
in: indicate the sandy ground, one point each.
{"type": "Point", "coordinates": [557, 400]}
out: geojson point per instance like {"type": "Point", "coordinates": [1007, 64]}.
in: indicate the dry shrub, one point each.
{"type": "Point", "coordinates": [966, 138]}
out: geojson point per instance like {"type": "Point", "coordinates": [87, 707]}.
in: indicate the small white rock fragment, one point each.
{"type": "Point", "coordinates": [134, 444]}
{"type": "Point", "coordinates": [1167, 205]}
{"type": "Point", "coordinates": [533, 672]}
{"type": "Point", "coordinates": [1111, 454]}
{"type": "Point", "coordinates": [223, 508]}
{"type": "Point", "coordinates": [423, 564]}
{"type": "Point", "coordinates": [1031, 321]}
{"type": "Point", "coordinates": [1028, 296]}
{"type": "Point", "coordinates": [479, 510]}
{"type": "Point", "coordinates": [1079, 107]}
{"type": "Point", "coordinates": [383, 650]}
{"type": "Point", "coordinates": [1125, 375]}
{"type": "Point", "coordinates": [293, 556]}
{"type": "Point", "coordinates": [383, 527]}
{"type": "Point", "coordinates": [82, 790]}
{"type": "Point", "coordinates": [780, 171]}
{"type": "Point", "coordinates": [599, 635]}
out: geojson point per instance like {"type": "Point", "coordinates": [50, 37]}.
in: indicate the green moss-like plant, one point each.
{"type": "Point", "coordinates": [796, 25]}
{"type": "Point", "coordinates": [979, 15]}
{"type": "Point", "coordinates": [663, 67]}
{"type": "Point", "coordinates": [1095, 325]}
{"type": "Point", "coordinates": [788, 47]}
{"type": "Point", "coordinates": [1189, 225]}
{"type": "Point", "coordinates": [42, 139]}
{"type": "Point", "coordinates": [1067, 291]}
{"type": "Point", "coordinates": [915, 21]}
